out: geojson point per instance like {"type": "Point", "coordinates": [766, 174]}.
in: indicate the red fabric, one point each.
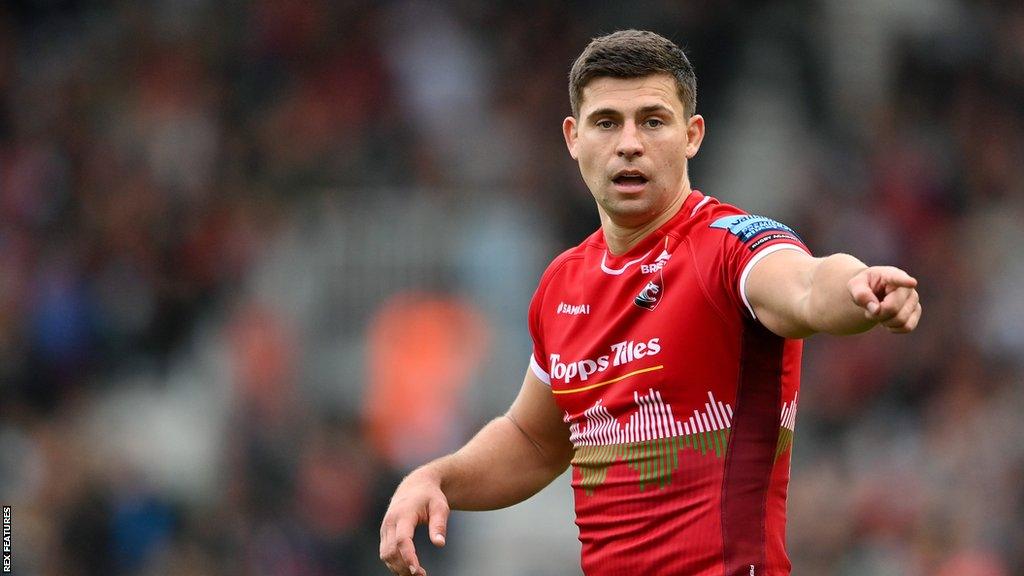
{"type": "Point", "coordinates": [675, 398]}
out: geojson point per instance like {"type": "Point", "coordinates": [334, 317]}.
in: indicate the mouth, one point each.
{"type": "Point", "coordinates": [629, 181]}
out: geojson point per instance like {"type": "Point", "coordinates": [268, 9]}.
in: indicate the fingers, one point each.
{"type": "Point", "coordinates": [397, 550]}
{"type": "Point", "coordinates": [910, 324]}
{"type": "Point", "coordinates": [403, 541]}
{"type": "Point", "coordinates": [414, 503]}
{"type": "Point", "coordinates": [438, 525]}
{"type": "Point", "coordinates": [892, 278]}
{"type": "Point", "coordinates": [892, 304]}
{"type": "Point", "coordinates": [863, 295]}
{"type": "Point", "coordinates": [882, 291]}
{"type": "Point", "coordinates": [907, 317]}
{"type": "Point", "coordinates": [388, 551]}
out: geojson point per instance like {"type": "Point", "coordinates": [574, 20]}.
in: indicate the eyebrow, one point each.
{"type": "Point", "coordinates": [642, 111]}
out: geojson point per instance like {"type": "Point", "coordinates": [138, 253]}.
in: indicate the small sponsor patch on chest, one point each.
{"type": "Point", "coordinates": [573, 309]}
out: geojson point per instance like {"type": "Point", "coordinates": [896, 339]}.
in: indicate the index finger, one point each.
{"type": "Point", "coordinates": [896, 278]}
{"type": "Point", "coordinates": [406, 549]}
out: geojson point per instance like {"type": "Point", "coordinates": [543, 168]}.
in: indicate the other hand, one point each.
{"type": "Point", "coordinates": [418, 500]}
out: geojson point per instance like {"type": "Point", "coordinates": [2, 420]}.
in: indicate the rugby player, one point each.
{"type": "Point", "coordinates": [666, 350]}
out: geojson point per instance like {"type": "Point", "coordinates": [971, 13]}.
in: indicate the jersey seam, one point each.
{"type": "Point", "coordinates": [728, 456]}
{"type": "Point", "coordinates": [729, 453]}
{"type": "Point", "coordinates": [544, 285]}
{"type": "Point", "coordinates": [701, 283]}
{"type": "Point", "coordinates": [771, 471]}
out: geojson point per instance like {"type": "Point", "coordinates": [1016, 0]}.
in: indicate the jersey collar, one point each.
{"type": "Point", "coordinates": [617, 265]}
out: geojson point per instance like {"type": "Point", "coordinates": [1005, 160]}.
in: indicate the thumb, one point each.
{"type": "Point", "coordinates": [438, 522]}
{"type": "Point", "coordinates": [862, 293]}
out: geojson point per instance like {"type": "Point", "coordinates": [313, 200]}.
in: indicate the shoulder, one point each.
{"type": "Point", "coordinates": [732, 224]}
{"type": "Point", "coordinates": [564, 260]}
{"type": "Point", "coordinates": [711, 213]}
{"type": "Point", "coordinates": [556, 270]}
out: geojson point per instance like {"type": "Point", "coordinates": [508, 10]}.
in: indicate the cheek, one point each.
{"type": "Point", "coordinates": [590, 164]}
{"type": "Point", "coordinates": [673, 163]}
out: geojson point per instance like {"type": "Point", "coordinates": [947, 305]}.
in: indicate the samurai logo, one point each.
{"type": "Point", "coordinates": [649, 297]}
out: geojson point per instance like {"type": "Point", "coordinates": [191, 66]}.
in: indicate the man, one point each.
{"type": "Point", "coordinates": [666, 353]}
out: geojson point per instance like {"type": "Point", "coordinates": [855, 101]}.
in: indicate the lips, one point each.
{"type": "Point", "coordinates": [629, 180]}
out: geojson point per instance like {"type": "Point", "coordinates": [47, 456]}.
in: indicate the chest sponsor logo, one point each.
{"type": "Point", "coordinates": [620, 354]}
{"type": "Point", "coordinates": [573, 309]}
{"type": "Point", "coordinates": [658, 264]}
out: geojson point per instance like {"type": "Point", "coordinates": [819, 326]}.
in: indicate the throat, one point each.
{"type": "Point", "coordinates": [623, 238]}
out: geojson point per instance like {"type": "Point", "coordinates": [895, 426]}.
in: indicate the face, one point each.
{"type": "Point", "coordinates": [632, 141]}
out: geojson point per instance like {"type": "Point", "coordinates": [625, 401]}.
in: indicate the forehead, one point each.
{"type": "Point", "coordinates": [625, 94]}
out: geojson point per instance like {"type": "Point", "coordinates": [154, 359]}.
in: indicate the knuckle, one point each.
{"type": "Point", "coordinates": [406, 548]}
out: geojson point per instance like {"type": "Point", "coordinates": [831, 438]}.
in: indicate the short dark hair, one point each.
{"type": "Point", "coordinates": [632, 54]}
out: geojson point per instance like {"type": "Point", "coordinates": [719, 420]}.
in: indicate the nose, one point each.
{"type": "Point", "coordinates": [629, 142]}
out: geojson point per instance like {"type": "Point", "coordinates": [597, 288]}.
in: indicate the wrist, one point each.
{"type": "Point", "coordinates": [430, 474]}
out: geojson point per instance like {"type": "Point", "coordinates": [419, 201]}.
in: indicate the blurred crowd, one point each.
{"type": "Point", "coordinates": [259, 258]}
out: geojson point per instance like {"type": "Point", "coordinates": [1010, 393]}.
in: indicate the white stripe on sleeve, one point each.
{"type": "Point", "coordinates": [539, 372]}
{"type": "Point", "coordinates": [750, 266]}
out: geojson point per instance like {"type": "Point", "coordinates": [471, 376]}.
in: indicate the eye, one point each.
{"type": "Point", "coordinates": [653, 123]}
{"type": "Point", "coordinates": [605, 124]}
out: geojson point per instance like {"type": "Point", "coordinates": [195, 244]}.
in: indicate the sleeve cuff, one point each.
{"type": "Point", "coordinates": [539, 372]}
{"type": "Point", "coordinates": [750, 266]}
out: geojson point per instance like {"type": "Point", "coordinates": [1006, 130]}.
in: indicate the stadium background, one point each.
{"type": "Point", "coordinates": [259, 258]}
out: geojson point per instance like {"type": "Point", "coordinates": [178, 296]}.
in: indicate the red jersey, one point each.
{"type": "Point", "coordinates": [679, 403]}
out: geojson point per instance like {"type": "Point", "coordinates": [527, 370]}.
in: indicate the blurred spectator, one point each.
{"type": "Point", "coordinates": [424, 351]}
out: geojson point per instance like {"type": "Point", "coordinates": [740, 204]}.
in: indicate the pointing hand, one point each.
{"type": "Point", "coordinates": [888, 296]}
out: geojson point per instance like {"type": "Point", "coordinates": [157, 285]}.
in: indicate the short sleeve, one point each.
{"type": "Point", "coordinates": [748, 239]}
{"type": "Point", "coordinates": [538, 359]}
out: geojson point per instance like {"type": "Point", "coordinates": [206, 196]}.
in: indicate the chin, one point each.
{"type": "Point", "coordinates": [632, 209]}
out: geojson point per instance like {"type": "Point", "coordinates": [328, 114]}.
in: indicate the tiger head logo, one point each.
{"type": "Point", "coordinates": [649, 297]}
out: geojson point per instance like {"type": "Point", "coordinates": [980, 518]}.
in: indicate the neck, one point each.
{"type": "Point", "coordinates": [621, 238]}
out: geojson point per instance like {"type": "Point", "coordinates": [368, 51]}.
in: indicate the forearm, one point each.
{"type": "Point", "coordinates": [499, 467]}
{"type": "Point", "coordinates": [829, 307]}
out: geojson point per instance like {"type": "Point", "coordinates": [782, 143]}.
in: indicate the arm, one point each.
{"type": "Point", "coordinates": [512, 458]}
{"type": "Point", "coordinates": [795, 295]}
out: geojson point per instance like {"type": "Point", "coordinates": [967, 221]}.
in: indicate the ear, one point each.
{"type": "Point", "coordinates": [570, 134]}
{"type": "Point", "coordinates": [694, 134]}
